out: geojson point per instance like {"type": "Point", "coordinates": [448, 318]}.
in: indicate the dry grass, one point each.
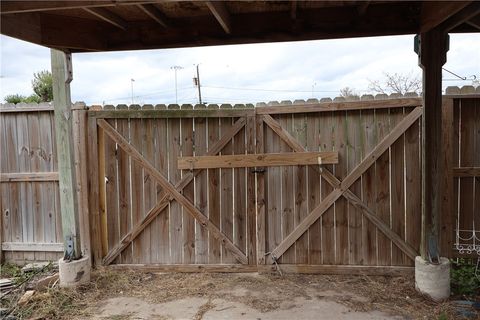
{"type": "Point", "coordinates": [393, 295]}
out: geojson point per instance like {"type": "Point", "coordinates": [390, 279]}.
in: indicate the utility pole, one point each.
{"type": "Point", "coordinates": [176, 68]}
{"type": "Point", "coordinates": [196, 82]}
{"type": "Point", "coordinates": [131, 82]}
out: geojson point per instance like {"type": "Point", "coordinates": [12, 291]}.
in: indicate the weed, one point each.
{"type": "Point", "coordinates": [464, 281]}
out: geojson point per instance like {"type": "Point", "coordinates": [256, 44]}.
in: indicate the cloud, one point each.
{"type": "Point", "coordinates": [291, 70]}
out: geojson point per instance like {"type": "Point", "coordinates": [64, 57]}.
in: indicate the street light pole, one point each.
{"type": "Point", "coordinates": [176, 68]}
{"type": "Point", "coordinates": [131, 82]}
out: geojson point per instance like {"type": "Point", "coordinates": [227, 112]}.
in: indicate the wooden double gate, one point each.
{"type": "Point", "coordinates": [305, 218]}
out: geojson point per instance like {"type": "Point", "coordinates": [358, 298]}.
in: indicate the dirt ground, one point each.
{"type": "Point", "coordinates": [119, 295]}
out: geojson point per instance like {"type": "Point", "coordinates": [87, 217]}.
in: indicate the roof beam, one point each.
{"type": "Point", "coordinates": [293, 10]}
{"type": "Point", "coordinates": [461, 17]}
{"type": "Point", "coordinates": [8, 7]}
{"type": "Point", "coordinates": [154, 13]}
{"type": "Point", "coordinates": [221, 14]}
{"type": "Point", "coordinates": [108, 16]}
{"type": "Point", "coordinates": [474, 22]}
{"type": "Point", "coordinates": [434, 13]}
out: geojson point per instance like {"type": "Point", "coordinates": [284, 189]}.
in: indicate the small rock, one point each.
{"type": "Point", "coordinates": [43, 283]}
{"type": "Point", "coordinates": [26, 297]}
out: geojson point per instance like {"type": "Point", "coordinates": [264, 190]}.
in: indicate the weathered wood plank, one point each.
{"type": "Point", "coordinates": [354, 156]}
{"type": "Point", "coordinates": [149, 188]}
{"type": "Point", "coordinates": [382, 183]}
{"type": "Point", "coordinates": [287, 187]}
{"type": "Point", "coordinates": [341, 270]}
{"type": "Point", "coordinates": [341, 106]}
{"type": "Point", "coordinates": [261, 193]}
{"type": "Point", "coordinates": [196, 268]}
{"type": "Point", "coordinates": [301, 186]}
{"type": "Point", "coordinates": [397, 187]}
{"type": "Point", "coordinates": [240, 192]}
{"type": "Point", "coordinates": [214, 190]}
{"type": "Point", "coordinates": [32, 246]}
{"type": "Point", "coordinates": [226, 190]}
{"type": "Point", "coordinates": [188, 223]}
{"type": "Point", "coordinates": [258, 160]}
{"type": "Point", "coordinates": [201, 189]}
{"type": "Point", "coordinates": [251, 196]}
{"type": "Point", "coordinates": [28, 176]}
{"type": "Point", "coordinates": [466, 171]}
{"type": "Point", "coordinates": [340, 169]}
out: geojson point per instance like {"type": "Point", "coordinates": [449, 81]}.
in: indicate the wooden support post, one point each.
{"type": "Point", "coordinates": [432, 56]}
{"type": "Point", "coordinates": [62, 76]}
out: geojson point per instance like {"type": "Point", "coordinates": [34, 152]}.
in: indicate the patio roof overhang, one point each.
{"type": "Point", "coordinates": [80, 26]}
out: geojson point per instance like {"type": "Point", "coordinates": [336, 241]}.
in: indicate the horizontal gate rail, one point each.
{"type": "Point", "coordinates": [172, 113]}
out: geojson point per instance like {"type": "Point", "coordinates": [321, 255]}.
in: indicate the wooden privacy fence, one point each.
{"type": "Point", "coordinates": [214, 187]}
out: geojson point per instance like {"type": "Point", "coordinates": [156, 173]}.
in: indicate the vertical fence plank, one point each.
{"type": "Point", "coordinates": [111, 195]}
{"type": "Point", "coordinates": [287, 185]}
{"type": "Point", "coordinates": [188, 191]}
{"type": "Point", "coordinates": [315, 185]}
{"type": "Point", "coordinates": [226, 190]}
{"type": "Point", "coordinates": [476, 152]}
{"type": "Point", "coordinates": [369, 231]}
{"type": "Point", "coordinates": [161, 223]}
{"type": "Point", "coordinates": [149, 187]}
{"type": "Point", "coordinates": [93, 191]}
{"type": "Point", "coordinates": [214, 190]}
{"type": "Point", "coordinates": [240, 192]}
{"type": "Point", "coordinates": [48, 188]}
{"type": "Point", "coordinates": [354, 155]}
{"type": "Point", "coordinates": [274, 193]}
{"type": "Point", "coordinates": [261, 193]}
{"type": "Point", "coordinates": [176, 247]}
{"type": "Point", "coordinates": [201, 187]}
{"type": "Point", "coordinates": [447, 221]}
{"type": "Point", "coordinates": [341, 217]}
{"type": "Point", "coordinates": [327, 131]}
{"type": "Point", "coordinates": [467, 159]}
{"type": "Point", "coordinates": [413, 184]}
{"type": "Point", "coordinates": [300, 189]}
{"type": "Point", "coordinates": [382, 182]}
{"type": "Point", "coordinates": [136, 139]}
{"type": "Point", "coordinates": [251, 201]}
{"type": "Point", "coordinates": [397, 184]}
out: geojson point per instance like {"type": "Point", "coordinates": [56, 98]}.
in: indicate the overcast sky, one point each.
{"type": "Point", "coordinates": [235, 73]}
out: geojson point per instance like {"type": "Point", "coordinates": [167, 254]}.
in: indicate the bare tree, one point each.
{"type": "Point", "coordinates": [396, 83]}
{"type": "Point", "coordinates": [348, 93]}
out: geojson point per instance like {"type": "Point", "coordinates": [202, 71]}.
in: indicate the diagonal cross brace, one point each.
{"type": "Point", "coordinates": [341, 188]}
{"type": "Point", "coordinates": [172, 192]}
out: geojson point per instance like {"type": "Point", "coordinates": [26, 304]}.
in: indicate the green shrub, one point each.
{"type": "Point", "coordinates": [464, 281]}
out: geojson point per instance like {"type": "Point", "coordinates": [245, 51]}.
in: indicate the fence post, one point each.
{"type": "Point", "coordinates": [62, 76]}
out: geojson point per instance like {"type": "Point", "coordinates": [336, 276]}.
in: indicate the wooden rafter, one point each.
{"type": "Point", "coordinates": [474, 22]}
{"type": "Point", "coordinates": [107, 16]}
{"type": "Point", "coordinates": [257, 160]}
{"type": "Point", "coordinates": [9, 7]}
{"type": "Point", "coordinates": [219, 10]}
{"type": "Point", "coordinates": [462, 16]}
{"type": "Point", "coordinates": [346, 183]}
{"type": "Point", "coordinates": [435, 12]}
{"type": "Point", "coordinates": [349, 195]}
{"type": "Point", "coordinates": [362, 7]}
{"type": "Point", "coordinates": [154, 13]}
{"type": "Point", "coordinates": [167, 197]}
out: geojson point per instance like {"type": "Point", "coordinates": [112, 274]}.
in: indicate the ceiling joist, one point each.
{"type": "Point", "coordinates": [9, 7]}
{"type": "Point", "coordinates": [362, 8]}
{"type": "Point", "coordinates": [474, 22]}
{"type": "Point", "coordinates": [108, 16]}
{"type": "Point", "coordinates": [220, 12]}
{"type": "Point", "coordinates": [154, 13]}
